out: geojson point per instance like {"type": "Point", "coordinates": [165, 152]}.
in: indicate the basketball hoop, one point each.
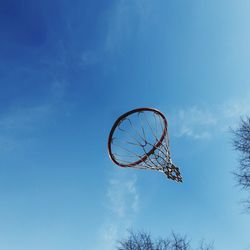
{"type": "Point", "coordinates": [139, 139]}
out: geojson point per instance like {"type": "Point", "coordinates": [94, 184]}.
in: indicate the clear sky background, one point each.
{"type": "Point", "coordinates": [68, 69]}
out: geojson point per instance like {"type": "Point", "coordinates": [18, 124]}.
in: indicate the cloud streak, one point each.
{"type": "Point", "coordinates": [17, 126]}
{"type": "Point", "coordinates": [122, 203]}
{"type": "Point", "coordinates": [19, 123]}
{"type": "Point", "coordinates": [204, 122]}
{"type": "Point", "coordinates": [127, 18]}
{"type": "Point", "coordinates": [122, 196]}
{"type": "Point", "coordinates": [124, 21]}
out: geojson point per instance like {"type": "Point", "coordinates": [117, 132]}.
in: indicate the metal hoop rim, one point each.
{"type": "Point", "coordinates": [119, 119]}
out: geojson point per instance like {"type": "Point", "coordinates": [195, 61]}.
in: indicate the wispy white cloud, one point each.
{"type": "Point", "coordinates": [24, 118]}
{"type": "Point", "coordinates": [122, 195]}
{"type": "Point", "coordinates": [57, 91]}
{"type": "Point", "coordinates": [121, 24]}
{"type": "Point", "coordinates": [17, 125]}
{"type": "Point", "coordinates": [126, 19]}
{"type": "Point", "coordinates": [235, 109]}
{"type": "Point", "coordinates": [20, 122]}
{"type": "Point", "coordinates": [193, 122]}
{"type": "Point", "coordinates": [90, 58]}
{"type": "Point", "coordinates": [107, 239]}
{"type": "Point", "coordinates": [122, 203]}
{"type": "Point", "coordinates": [7, 143]}
{"type": "Point", "coordinates": [205, 121]}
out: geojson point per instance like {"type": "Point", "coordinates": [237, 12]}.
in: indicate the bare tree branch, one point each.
{"type": "Point", "coordinates": [206, 246]}
{"type": "Point", "coordinates": [143, 241]}
{"type": "Point", "coordinates": [241, 143]}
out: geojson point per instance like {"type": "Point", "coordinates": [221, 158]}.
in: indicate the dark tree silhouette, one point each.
{"type": "Point", "coordinates": [144, 241]}
{"type": "Point", "coordinates": [241, 143]}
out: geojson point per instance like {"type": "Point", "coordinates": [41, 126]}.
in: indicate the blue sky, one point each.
{"type": "Point", "coordinates": [69, 69]}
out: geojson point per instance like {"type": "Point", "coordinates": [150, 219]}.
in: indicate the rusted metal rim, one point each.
{"type": "Point", "coordinates": [143, 158]}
